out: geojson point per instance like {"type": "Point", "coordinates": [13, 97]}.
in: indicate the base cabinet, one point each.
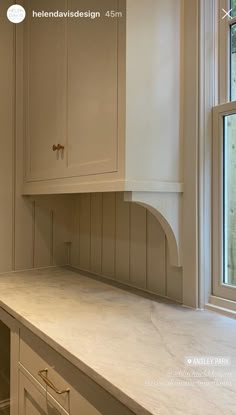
{"type": "Point", "coordinates": [62, 389]}
{"type": "Point", "coordinates": [33, 402]}
{"type": "Point", "coordinates": [5, 345]}
{"type": "Point", "coordinates": [9, 347]}
{"type": "Point", "coordinates": [62, 383]}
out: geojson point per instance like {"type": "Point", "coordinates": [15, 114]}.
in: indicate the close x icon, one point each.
{"type": "Point", "coordinates": [227, 14]}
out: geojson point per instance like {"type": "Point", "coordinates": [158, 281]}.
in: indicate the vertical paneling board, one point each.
{"type": "Point", "coordinates": [174, 280]}
{"type": "Point", "coordinates": [122, 264]}
{"type": "Point", "coordinates": [108, 234]}
{"type": "Point", "coordinates": [62, 225]}
{"type": "Point", "coordinates": [85, 231]}
{"type": "Point", "coordinates": [24, 235]}
{"type": "Point", "coordinates": [156, 256]}
{"type": "Point", "coordinates": [96, 233]}
{"type": "Point", "coordinates": [74, 258]}
{"type": "Point", "coordinates": [138, 264]}
{"type": "Point", "coordinates": [42, 235]}
{"type": "Point", "coordinates": [7, 129]}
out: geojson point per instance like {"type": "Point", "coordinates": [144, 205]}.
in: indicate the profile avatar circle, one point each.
{"type": "Point", "coordinates": [16, 13]}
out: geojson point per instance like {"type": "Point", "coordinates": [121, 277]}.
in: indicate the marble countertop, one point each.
{"type": "Point", "coordinates": [156, 358]}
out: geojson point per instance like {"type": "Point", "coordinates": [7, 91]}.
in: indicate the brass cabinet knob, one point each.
{"type": "Point", "coordinates": [58, 147]}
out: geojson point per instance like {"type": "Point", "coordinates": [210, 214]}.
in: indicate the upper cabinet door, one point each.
{"type": "Point", "coordinates": [92, 89]}
{"type": "Point", "coordinates": [45, 99]}
{"type": "Point", "coordinates": [71, 88]}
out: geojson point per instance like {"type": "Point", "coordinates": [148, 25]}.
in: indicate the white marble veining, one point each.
{"type": "Point", "coordinates": [135, 348]}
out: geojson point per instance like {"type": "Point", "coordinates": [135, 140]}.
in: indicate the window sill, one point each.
{"type": "Point", "coordinates": [222, 306]}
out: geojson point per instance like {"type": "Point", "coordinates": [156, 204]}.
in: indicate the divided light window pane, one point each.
{"type": "Point", "coordinates": [233, 7]}
{"type": "Point", "coordinates": [229, 276]}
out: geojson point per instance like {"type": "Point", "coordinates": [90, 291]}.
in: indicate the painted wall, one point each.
{"type": "Point", "coordinates": [6, 137]}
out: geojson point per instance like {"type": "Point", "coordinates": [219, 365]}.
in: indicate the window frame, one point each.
{"type": "Point", "coordinates": [219, 288]}
{"type": "Point", "coordinates": [223, 295]}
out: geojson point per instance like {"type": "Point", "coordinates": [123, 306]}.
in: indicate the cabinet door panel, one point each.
{"type": "Point", "coordinates": [92, 89]}
{"type": "Point", "coordinates": [32, 402]}
{"type": "Point", "coordinates": [44, 89]}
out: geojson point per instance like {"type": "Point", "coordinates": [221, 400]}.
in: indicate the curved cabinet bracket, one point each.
{"type": "Point", "coordinates": [167, 208]}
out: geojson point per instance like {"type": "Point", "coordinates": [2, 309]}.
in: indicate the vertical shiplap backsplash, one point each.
{"type": "Point", "coordinates": [45, 240]}
{"type": "Point", "coordinates": [123, 241]}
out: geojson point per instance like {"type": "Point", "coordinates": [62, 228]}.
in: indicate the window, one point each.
{"type": "Point", "coordinates": [224, 160]}
{"type": "Point", "coordinates": [229, 199]}
{"type": "Point", "coordinates": [227, 51]}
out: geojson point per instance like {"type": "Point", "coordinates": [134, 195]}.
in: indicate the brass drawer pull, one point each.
{"type": "Point", "coordinates": [58, 147]}
{"type": "Point", "coordinates": [50, 384]}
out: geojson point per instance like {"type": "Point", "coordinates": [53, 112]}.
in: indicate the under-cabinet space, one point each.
{"type": "Point", "coordinates": [124, 242]}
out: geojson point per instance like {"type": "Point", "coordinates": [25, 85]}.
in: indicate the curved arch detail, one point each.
{"type": "Point", "coordinates": [167, 208]}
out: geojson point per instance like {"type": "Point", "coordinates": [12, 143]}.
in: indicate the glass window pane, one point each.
{"type": "Point", "coordinates": [233, 7]}
{"type": "Point", "coordinates": [233, 62]}
{"type": "Point", "coordinates": [230, 199]}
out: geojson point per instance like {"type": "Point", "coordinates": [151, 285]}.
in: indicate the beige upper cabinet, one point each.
{"type": "Point", "coordinates": [70, 90]}
{"type": "Point", "coordinates": [107, 90]}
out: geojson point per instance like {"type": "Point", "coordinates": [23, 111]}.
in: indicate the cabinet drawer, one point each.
{"type": "Point", "coordinates": [84, 394]}
{"type": "Point", "coordinates": [33, 400]}
{"type": "Point", "coordinates": [32, 357]}
{"type": "Point", "coordinates": [36, 356]}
